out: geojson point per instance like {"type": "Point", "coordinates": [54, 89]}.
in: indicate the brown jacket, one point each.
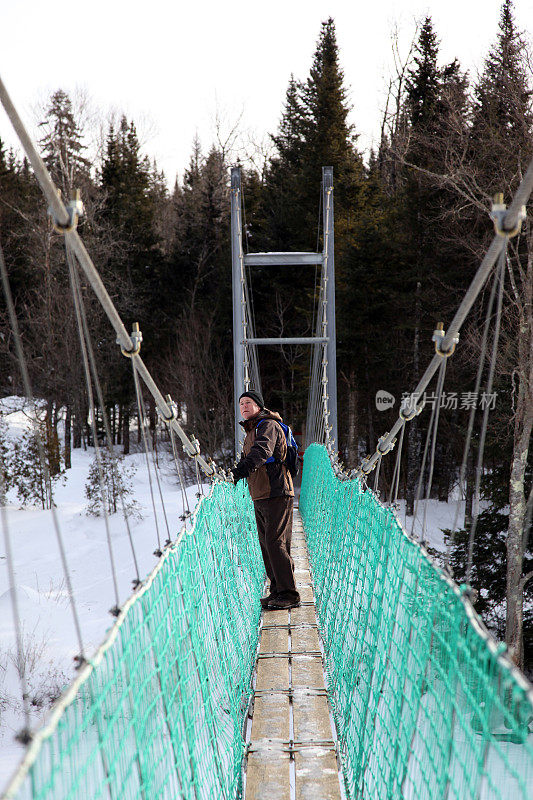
{"type": "Point", "coordinates": [265, 480]}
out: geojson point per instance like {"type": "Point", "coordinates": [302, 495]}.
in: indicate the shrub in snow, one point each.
{"type": "Point", "coordinates": [35, 484]}
{"type": "Point", "coordinates": [4, 462]}
{"type": "Point", "coordinates": [117, 483]}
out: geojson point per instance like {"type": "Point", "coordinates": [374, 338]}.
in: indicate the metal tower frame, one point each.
{"type": "Point", "coordinates": [240, 333]}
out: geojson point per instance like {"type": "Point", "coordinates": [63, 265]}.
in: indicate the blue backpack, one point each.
{"type": "Point", "coordinates": [291, 459]}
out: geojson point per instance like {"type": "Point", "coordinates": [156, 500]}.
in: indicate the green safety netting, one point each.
{"type": "Point", "coordinates": [425, 703]}
{"type": "Point", "coordinates": [161, 712]}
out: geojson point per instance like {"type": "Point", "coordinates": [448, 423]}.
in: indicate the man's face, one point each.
{"type": "Point", "coordinates": [248, 407]}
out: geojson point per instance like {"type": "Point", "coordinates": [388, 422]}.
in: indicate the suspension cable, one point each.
{"type": "Point", "coordinates": [142, 422]}
{"type": "Point", "coordinates": [64, 221]}
{"type": "Point", "coordinates": [440, 386]}
{"type": "Point", "coordinates": [44, 466]}
{"type": "Point", "coordinates": [472, 415]}
{"type": "Point", "coordinates": [156, 468]}
{"type": "Point", "coordinates": [484, 425]}
{"type": "Point", "coordinates": [81, 315]}
{"type": "Point", "coordinates": [24, 735]}
{"type": "Point", "coordinates": [434, 412]}
{"type": "Point", "coordinates": [92, 409]}
{"type": "Point", "coordinates": [507, 223]}
{"type": "Point", "coordinates": [393, 494]}
{"type": "Point", "coordinates": [184, 498]}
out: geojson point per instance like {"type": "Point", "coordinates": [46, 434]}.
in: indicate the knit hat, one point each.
{"type": "Point", "coordinates": [257, 397]}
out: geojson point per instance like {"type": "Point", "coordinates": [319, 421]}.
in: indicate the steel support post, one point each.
{"type": "Point", "coordinates": [327, 184]}
{"type": "Point", "coordinates": [238, 288]}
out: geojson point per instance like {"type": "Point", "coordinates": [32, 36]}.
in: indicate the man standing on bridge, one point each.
{"type": "Point", "coordinates": [272, 492]}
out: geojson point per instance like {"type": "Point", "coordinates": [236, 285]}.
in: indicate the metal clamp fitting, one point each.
{"type": "Point", "coordinates": [192, 448]}
{"type": "Point", "coordinates": [74, 209]}
{"type": "Point", "coordinates": [499, 212]}
{"type": "Point", "coordinates": [383, 451]}
{"type": "Point", "coordinates": [364, 465]}
{"type": "Point", "coordinates": [410, 411]}
{"type": "Point", "coordinates": [173, 410]}
{"type": "Point", "coordinates": [136, 337]}
{"type": "Point", "coordinates": [438, 336]}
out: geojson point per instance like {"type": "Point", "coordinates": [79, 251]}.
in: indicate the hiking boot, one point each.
{"type": "Point", "coordinates": [268, 599]}
{"type": "Point", "coordinates": [281, 602]}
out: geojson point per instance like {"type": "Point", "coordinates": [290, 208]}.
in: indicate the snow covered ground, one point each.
{"type": "Point", "coordinates": [49, 636]}
{"type": "Point", "coordinates": [50, 642]}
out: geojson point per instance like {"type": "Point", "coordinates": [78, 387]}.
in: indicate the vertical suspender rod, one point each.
{"type": "Point", "coordinates": [238, 320]}
{"type": "Point", "coordinates": [329, 260]}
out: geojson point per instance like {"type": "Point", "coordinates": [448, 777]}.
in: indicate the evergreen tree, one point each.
{"type": "Point", "coordinates": [33, 481]}
{"type": "Point", "coordinates": [117, 486]}
{"type": "Point", "coordinates": [502, 115]}
{"type": "Point", "coordinates": [5, 479]}
{"type": "Point", "coordinates": [329, 138]}
{"type": "Point", "coordinates": [432, 269]}
{"type": "Point", "coordinates": [135, 259]}
{"type": "Point", "coordinates": [314, 132]}
{"type": "Point", "coordinates": [63, 146]}
{"type": "Point", "coordinates": [423, 79]}
{"type": "Point", "coordinates": [499, 149]}
{"type": "Point", "coordinates": [283, 185]}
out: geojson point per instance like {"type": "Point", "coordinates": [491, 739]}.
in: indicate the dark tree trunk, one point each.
{"type": "Point", "coordinates": [413, 440]}
{"type": "Point", "coordinates": [68, 437]}
{"type": "Point", "coordinates": [469, 490]}
{"type": "Point", "coordinates": [52, 440]}
{"type": "Point", "coordinates": [152, 416]}
{"type": "Point", "coordinates": [126, 430]}
{"type": "Point", "coordinates": [352, 433]}
{"type": "Point", "coordinates": [76, 427]}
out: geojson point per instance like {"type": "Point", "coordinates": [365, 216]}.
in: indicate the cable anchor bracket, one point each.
{"type": "Point", "coordinates": [366, 468]}
{"type": "Point", "coordinates": [75, 210]}
{"type": "Point", "coordinates": [173, 410]}
{"type": "Point", "coordinates": [409, 409]}
{"type": "Point", "coordinates": [136, 337]}
{"type": "Point", "coordinates": [192, 447]}
{"type": "Point", "coordinates": [382, 449]}
{"type": "Point", "coordinates": [438, 337]}
{"type": "Point", "coordinates": [498, 214]}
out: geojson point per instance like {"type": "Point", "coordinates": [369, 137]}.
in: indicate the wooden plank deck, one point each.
{"type": "Point", "coordinates": [292, 739]}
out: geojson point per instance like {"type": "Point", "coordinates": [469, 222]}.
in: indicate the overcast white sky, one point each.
{"type": "Point", "coordinates": [170, 65]}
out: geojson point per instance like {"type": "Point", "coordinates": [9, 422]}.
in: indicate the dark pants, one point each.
{"type": "Point", "coordinates": [274, 526]}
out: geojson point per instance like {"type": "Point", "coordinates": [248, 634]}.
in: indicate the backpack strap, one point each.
{"type": "Point", "coordinates": [271, 459]}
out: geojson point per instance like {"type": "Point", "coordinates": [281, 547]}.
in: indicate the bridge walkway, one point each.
{"type": "Point", "coordinates": [291, 754]}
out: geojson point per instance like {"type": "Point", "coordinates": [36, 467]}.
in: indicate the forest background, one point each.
{"type": "Point", "coordinates": [411, 226]}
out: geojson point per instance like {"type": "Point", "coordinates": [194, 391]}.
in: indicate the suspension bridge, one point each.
{"type": "Point", "coordinates": [383, 684]}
